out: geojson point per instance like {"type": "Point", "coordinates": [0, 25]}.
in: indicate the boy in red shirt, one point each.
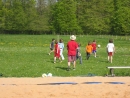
{"type": "Point", "coordinates": [72, 45]}
{"type": "Point", "coordinates": [94, 45]}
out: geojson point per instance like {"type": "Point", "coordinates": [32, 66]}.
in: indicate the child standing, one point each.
{"type": "Point", "coordinates": [89, 49]}
{"type": "Point", "coordinates": [61, 45]}
{"type": "Point", "coordinates": [94, 45]}
{"type": "Point", "coordinates": [78, 54]}
{"type": "Point", "coordinates": [110, 50]}
{"type": "Point", "coordinates": [56, 51]}
{"type": "Point", "coordinates": [52, 46]}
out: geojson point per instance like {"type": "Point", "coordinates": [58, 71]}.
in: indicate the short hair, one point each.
{"type": "Point", "coordinates": [94, 40]}
{"type": "Point", "coordinates": [110, 41]}
{"type": "Point", "coordinates": [60, 40]}
{"type": "Point", "coordinates": [56, 42]}
{"type": "Point", "coordinates": [89, 43]}
{"type": "Point", "coordinates": [53, 39]}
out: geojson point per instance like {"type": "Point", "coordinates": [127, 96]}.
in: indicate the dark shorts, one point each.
{"type": "Point", "coordinates": [51, 49]}
{"type": "Point", "coordinates": [94, 51]}
{"type": "Point", "coordinates": [110, 53]}
{"type": "Point", "coordinates": [71, 58]}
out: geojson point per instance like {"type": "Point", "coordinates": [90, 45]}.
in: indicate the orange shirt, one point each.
{"type": "Point", "coordinates": [89, 48]}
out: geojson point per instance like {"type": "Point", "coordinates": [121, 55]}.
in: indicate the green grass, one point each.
{"type": "Point", "coordinates": [27, 56]}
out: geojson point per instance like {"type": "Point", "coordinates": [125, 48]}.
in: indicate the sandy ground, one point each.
{"type": "Point", "coordinates": [65, 87]}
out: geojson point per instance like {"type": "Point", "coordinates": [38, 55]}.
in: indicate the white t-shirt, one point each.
{"type": "Point", "coordinates": [61, 45]}
{"type": "Point", "coordinates": [110, 47]}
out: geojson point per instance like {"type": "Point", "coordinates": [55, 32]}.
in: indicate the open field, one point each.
{"type": "Point", "coordinates": [27, 56]}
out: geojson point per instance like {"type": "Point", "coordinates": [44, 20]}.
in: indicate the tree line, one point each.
{"type": "Point", "coordinates": [65, 17]}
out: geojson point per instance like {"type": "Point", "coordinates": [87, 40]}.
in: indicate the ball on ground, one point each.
{"type": "Point", "coordinates": [49, 75]}
{"type": "Point", "coordinates": [44, 75]}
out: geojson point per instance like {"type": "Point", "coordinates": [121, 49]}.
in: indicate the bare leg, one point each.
{"type": "Point", "coordinates": [54, 59]}
{"type": "Point", "coordinates": [68, 66]}
{"type": "Point", "coordinates": [51, 52]}
{"type": "Point", "coordinates": [60, 59]}
{"type": "Point", "coordinates": [74, 64]}
{"type": "Point", "coordinates": [111, 59]}
{"type": "Point", "coordinates": [95, 54]}
{"type": "Point", "coordinates": [108, 58]}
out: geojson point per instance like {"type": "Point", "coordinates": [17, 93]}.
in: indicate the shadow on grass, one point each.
{"type": "Point", "coordinates": [63, 68]}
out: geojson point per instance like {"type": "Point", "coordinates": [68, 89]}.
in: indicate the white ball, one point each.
{"type": "Point", "coordinates": [99, 46]}
{"type": "Point", "coordinates": [44, 75]}
{"type": "Point", "coordinates": [49, 75]}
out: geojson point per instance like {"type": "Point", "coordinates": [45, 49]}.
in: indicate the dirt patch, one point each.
{"type": "Point", "coordinates": [65, 87]}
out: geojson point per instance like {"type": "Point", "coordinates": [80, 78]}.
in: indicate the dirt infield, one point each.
{"type": "Point", "coordinates": [65, 87]}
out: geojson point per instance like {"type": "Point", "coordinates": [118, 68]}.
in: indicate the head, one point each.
{"type": "Point", "coordinates": [60, 40]}
{"type": "Point", "coordinates": [53, 39]}
{"type": "Point", "coordinates": [72, 37]}
{"type": "Point", "coordinates": [56, 42]}
{"type": "Point", "coordinates": [110, 41]}
{"type": "Point", "coordinates": [89, 43]}
{"type": "Point", "coordinates": [94, 40]}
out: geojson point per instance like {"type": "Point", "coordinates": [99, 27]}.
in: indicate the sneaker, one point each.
{"type": "Point", "coordinates": [54, 62]}
{"type": "Point", "coordinates": [74, 69]}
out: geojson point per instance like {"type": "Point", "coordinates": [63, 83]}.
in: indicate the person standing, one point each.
{"type": "Point", "coordinates": [89, 50]}
{"type": "Point", "coordinates": [71, 48]}
{"type": "Point", "coordinates": [52, 46]}
{"type": "Point", "coordinates": [78, 54]}
{"type": "Point", "coordinates": [61, 45]}
{"type": "Point", "coordinates": [110, 50]}
{"type": "Point", "coordinates": [94, 45]}
{"type": "Point", "coordinates": [56, 51]}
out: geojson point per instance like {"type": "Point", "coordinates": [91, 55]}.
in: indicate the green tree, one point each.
{"type": "Point", "coordinates": [94, 15]}
{"type": "Point", "coordinates": [64, 17]}
{"type": "Point", "coordinates": [121, 19]}
{"type": "Point", "coordinates": [14, 16]}
{"type": "Point", "coordinates": [41, 22]}
{"type": "Point", "coordinates": [2, 19]}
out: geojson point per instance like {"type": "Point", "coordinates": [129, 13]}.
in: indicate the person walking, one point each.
{"type": "Point", "coordinates": [61, 45]}
{"type": "Point", "coordinates": [71, 48]}
{"type": "Point", "coordinates": [52, 46]}
{"type": "Point", "coordinates": [89, 50]}
{"type": "Point", "coordinates": [56, 52]}
{"type": "Point", "coordinates": [110, 50]}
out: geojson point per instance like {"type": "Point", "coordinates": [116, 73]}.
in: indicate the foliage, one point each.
{"type": "Point", "coordinates": [120, 20]}
{"type": "Point", "coordinates": [65, 17]}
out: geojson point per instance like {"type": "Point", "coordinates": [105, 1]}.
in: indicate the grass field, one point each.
{"type": "Point", "coordinates": [27, 56]}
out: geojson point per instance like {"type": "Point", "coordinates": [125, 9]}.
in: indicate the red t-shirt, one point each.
{"type": "Point", "coordinates": [94, 45]}
{"type": "Point", "coordinates": [71, 47]}
{"type": "Point", "coordinates": [57, 51]}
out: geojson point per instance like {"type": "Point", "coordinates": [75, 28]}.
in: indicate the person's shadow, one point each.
{"type": "Point", "coordinates": [63, 68]}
